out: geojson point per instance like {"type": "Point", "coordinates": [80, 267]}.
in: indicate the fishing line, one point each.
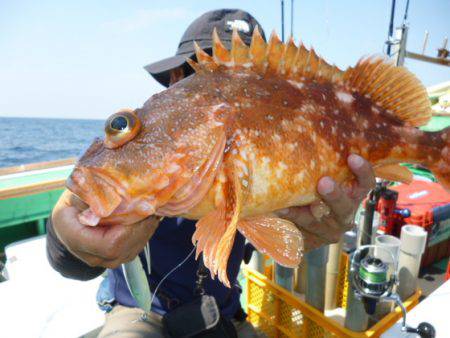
{"type": "Point", "coordinates": [169, 273]}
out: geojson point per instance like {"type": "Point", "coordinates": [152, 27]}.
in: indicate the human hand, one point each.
{"type": "Point", "coordinates": [106, 246]}
{"type": "Point", "coordinates": [325, 221]}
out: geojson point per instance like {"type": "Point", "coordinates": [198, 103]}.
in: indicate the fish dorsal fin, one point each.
{"type": "Point", "coordinates": [272, 58]}
{"type": "Point", "coordinates": [393, 88]}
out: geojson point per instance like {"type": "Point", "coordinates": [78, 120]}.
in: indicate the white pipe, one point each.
{"type": "Point", "coordinates": [390, 249]}
{"type": "Point", "coordinates": [413, 240]}
{"type": "Point", "coordinates": [387, 249]}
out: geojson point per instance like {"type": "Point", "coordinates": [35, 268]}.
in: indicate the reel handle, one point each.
{"type": "Point", "coordinates": [424, 330]}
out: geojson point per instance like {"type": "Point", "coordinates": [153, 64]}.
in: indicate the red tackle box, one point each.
{"type": "Point", "coordinates": [429, 204]}
{"type": "Point", "coordinates": [447, 275]}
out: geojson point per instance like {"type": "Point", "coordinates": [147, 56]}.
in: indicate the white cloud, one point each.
{"type": "Point", "coordinates": [145, 18]}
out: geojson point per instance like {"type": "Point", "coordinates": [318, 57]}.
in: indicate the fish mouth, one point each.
{"type": "Point", "coordinates": [99, 190]}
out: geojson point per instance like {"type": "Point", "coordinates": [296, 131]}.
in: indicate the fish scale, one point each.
{"type": "Point", "coordinates": [253, 131]}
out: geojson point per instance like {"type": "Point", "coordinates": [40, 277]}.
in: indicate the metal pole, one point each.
{"type": "Point", "coordinates": [425, 42]}
{"type": "Point", "coordinates": [316, 261]}
{"type": "Point", "coordinates": [400, 48]}
{"type": "Point", "coordinates": [282, 20]}
{"type": "Point", "coordinates": [284, 277]}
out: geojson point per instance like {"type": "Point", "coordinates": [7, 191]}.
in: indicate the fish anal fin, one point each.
{"type": "Point", "coordinates": [394, 172]}
{"type": "Point", "coordinates": [393, 88]}
{"type": "Point", "coordinates": [276, 237]}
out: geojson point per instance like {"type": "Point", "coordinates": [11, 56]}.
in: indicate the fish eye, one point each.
{"type": "Point", "coordinates": [121, 128]}
{"type": "Point", "coordinates": [119, 123]}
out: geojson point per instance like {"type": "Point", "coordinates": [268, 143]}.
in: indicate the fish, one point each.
{"type": "Point", "coordinates": [250, 132]}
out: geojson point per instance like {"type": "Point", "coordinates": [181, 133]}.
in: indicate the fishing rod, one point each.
{"type": "Point", "coordinates": [389, 41]}
{"type": "Point", "coordinates": [282, 20]}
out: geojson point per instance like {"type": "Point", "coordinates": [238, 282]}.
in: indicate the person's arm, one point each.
{"type": "Point", "coordinates": [82, 252]}
{"type": "Point", "coordinates": [325, 222]}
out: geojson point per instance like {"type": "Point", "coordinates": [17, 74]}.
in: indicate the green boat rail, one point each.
{"type": "Point", "coordinates": [27, 196]}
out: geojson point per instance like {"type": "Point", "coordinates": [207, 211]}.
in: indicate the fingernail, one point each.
{"type": "Point", "coordinates": [355, 161]}
{"type": "Point", "coordinates": [283, 211]}
{"type": "Point", "coordinates": [326, 186]}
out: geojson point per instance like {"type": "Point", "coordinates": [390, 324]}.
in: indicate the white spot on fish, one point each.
{"type": "Point", "coordinates": [161, 183]}
{"type": "Point", "coordinates": [276, 137]}
{"type": "Point", "coordinates": [322, 124]}
{"type": "Point", "coordinates": [298, 85]}
{"type": "Point", "coordinates": [299, 177]}
{"type": "Point", "coordinates": [245, 183]}
{"type": "Point", "coordinates": [375, 110]}
{"type": "Point", "coordinates": [307, 108]}
{"type": "Point", "coordinates": [366, 124]}
{"type": "Point", "coordinates": [172, 168]}
{"type": "Point", "coordinates": [269, 117]}
{"type": "Point", "coordinates": [243, 153]}
{"type": "Point", "coordinates": [333, 130]}
{"type": "Point", "coordinates": [344, 97]}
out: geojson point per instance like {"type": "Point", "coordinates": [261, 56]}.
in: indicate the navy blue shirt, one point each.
{"type": "Point", "coordinates": [169, 246]}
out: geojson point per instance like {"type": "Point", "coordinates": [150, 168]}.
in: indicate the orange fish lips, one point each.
{"type": "Point", "coordinates": [100, 192]}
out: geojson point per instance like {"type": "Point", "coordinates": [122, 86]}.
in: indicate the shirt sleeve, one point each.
{"type": "Point", "coordinates": [65, 262]}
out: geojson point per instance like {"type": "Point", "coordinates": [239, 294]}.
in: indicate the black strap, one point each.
{"type": "Point", "coordinates": [202, 273]}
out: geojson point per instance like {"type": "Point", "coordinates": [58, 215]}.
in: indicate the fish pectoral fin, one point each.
{"type": "Point", "coordinates": [277, 237]}
{"type": "Point", "coordinates": [394, 172]}
{"type": "Point", "coordinates": [215, 232]}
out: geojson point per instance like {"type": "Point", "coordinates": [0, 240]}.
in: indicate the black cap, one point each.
{"type": "Point", "coordinates": [201, 31]}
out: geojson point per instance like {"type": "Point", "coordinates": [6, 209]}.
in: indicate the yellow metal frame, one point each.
{"type": "Point", "coordinates": [313, 323]}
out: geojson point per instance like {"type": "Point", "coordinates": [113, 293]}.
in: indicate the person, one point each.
{"type": "Point", "coordinates": [83, 253]}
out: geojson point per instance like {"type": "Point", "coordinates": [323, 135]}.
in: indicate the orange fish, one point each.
{"type": "Point", "coordinates": [253, 131]}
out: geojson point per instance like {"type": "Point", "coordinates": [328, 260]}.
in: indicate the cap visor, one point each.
{"type": "Point", "coordinates": [161, 70]}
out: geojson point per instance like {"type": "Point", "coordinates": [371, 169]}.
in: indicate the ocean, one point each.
{"type": "Point", "coordinates": [30, 140]}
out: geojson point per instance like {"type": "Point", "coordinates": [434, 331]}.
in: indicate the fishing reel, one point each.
{"type": "Point", "coordinates": [373, 281]}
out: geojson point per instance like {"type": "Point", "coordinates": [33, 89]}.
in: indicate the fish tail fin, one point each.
{"type": "Point", "coordinates": [393, 88]}
{"type": "Point", "coordinates": [439, 163]}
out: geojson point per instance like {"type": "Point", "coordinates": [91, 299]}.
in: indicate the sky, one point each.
{"type": "Point", "coordinates": [84, 59]}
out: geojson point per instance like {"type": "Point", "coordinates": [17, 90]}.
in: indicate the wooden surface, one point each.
{"type": "Point", "coordinates": [37, 166]}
